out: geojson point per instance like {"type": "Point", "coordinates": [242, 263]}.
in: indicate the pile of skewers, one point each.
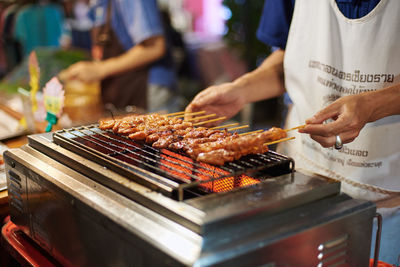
{"type": "Point", "coordinates": [209, 145]}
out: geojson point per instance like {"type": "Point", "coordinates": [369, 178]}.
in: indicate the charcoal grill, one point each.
{"type": "Point", "coordinates": [169, 172]}
{"type": "Point", "coordinates": [93, 198]}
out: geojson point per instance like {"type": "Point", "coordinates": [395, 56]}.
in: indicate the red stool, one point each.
{"type": "Point", "coordinates": [380, 264]}
{"type": "Point", "coordinates": [25, 251]}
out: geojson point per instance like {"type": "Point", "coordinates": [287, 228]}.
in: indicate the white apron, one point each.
{"type": "Point", "coordinates": [329, 56]}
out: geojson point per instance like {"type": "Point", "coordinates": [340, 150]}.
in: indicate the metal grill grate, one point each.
{"type": "Point", "coordinates": [162, 168]}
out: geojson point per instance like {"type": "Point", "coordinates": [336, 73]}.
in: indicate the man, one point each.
{"type": "Point", "coordinates": [340, 68]}
{"type": "Point", "coordinates": [128, 39]}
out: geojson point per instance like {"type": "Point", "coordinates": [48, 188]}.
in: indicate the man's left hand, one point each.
{"type": "Point", "coordinates": [348, 115]}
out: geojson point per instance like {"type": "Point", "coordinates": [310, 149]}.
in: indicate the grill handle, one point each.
{"type": "Point", "coordinates": [378, 216]}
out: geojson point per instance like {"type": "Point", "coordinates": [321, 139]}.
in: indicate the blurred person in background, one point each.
{"type": "Point", "coordinates": [128, 38]}
{"type": "Point", "coordinates": [79, 23]}
{"type": "Point", "coordinates": [163, 92]}
{"type": "Point", "coordinates": [339, 63]}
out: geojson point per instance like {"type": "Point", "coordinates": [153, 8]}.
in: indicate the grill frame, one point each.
{"type": "Point", "coordinates": [202, 214]}
{"type": "Point", "coordinates": [239, 227]}
{"type": "Point", "coordinates": [160, 180]}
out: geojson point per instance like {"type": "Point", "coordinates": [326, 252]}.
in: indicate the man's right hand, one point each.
{"type": "Point", "coordinates": [223, 100]}
{"type": "Point", "coordinates": [85, 71]}
{"type": "Point", "coordinates": [228, 99]}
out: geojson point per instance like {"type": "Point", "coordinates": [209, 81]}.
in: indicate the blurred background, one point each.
{"type": "Point", "coordinates": [213, 41]}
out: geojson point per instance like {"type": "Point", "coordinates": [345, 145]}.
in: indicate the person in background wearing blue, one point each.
{"type": "Point", "coordinates": [128, 38]}
{"type": "Point", "coordinates": [339, 63]}
{"type": "Point", "coordinates": [163, 91]}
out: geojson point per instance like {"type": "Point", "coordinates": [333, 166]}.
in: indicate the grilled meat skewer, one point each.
{"type": "Point", "coordinates": [229, 148]}
{"type": "Point", "coordinates": [200, 143]}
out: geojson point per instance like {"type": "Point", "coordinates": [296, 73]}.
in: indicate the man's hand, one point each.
{"type": "Point", "coordinates": [85, 71]}
{"type": "Point", "coordinates": [349, 115]}
{"type": "Point", "coordinates": [222, 100]}
{"type": "Point", "coordinates": [228, 99]}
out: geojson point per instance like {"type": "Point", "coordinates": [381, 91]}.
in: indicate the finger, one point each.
{"type": "Point", "coordinates": [327, 129]}
{"type": "Point", "coordinates": [324, 141]}
{"type": "Point", "coordinates": [199, 102]}
{"type": "Point", "coordinates": [194, 104]}
{"type": "Point", "coordinates": [66, 75]}
{"type": "Point", "coordinates": [329, 112]}
{"type": "Point", "coordinates": [191, 108]}
{"type": "Point", "coordinates": [203, 98]}
{"type": "Point", "coordinates": [62, 76]}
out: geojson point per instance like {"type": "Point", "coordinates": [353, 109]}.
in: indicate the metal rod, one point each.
{"type": "Point", "coordinates": [123, 154]}
{"type": "Point", "coordinates": [128, 149]}
{"type": "Point", "coordinates": [198, 166]}
{"type": "Point", "coordinates": [378, 216]}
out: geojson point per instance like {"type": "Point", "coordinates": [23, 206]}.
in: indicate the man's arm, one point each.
{"type": "Point", "coordinates": [266, 81]}
{"type": "Point", "coordinates": [229, 98]}
{"type": "Point", "coordinates": [385, 102]}
{"type": "Point", "coordinates": [138, 56]}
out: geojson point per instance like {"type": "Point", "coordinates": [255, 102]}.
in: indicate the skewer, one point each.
{"type": "Point", "coordinates": [175, 113]}
{"type": "Point", "coordinates": [295, 128]}
{"type": "Point", "coordinates": [201, 117]}
{"type": "Point", "coordinates": [280, 140]}
{"type": "Point", "coordinates": [204, 122]}
{"type": "Point", "coordinates": [189, 114]}
{"type": "Point", "coordinates": [253, 132]}
{"type": "Point", "coordinates": [224, 126]}
{"type": "Point", "coordinates": [239, 127]}
{"type": "Point", "coordinates": [11, 112]}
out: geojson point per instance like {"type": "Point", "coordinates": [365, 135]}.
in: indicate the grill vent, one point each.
{"type": "Point", "coordinates": [15, 191]}
{"type": "Point", "coordinates": [333, 252]}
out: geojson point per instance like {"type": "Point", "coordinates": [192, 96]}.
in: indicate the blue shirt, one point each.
{"type": "Point", "coordinates": [134, 21]}
{"type": "Point", "coordinates": [277, 16]}
{"type": "Point", "coordinates": [37, 26]}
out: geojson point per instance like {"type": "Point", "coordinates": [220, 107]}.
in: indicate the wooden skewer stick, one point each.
{"type": "Point", "coordinates": [280, 140]}
{"type": "Point", "coordinates": [204, 122]}
{"type": "Point", "coordinates": [15, 114]}
{"type": "Point", "coordinates": [253, 132]}
{"type": "Point", "coordinates": [175, 113]}
{"type": "Point", "coordinates": [201, 117]}
{"type": "Point", "coordinates": [190, 114]}
{"type": "Point", "coordinates": [225, 126]}
{"type": "Point", "coordinates": [239, 127]}
{"type": "Point", "coordinates": [294, 128]}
